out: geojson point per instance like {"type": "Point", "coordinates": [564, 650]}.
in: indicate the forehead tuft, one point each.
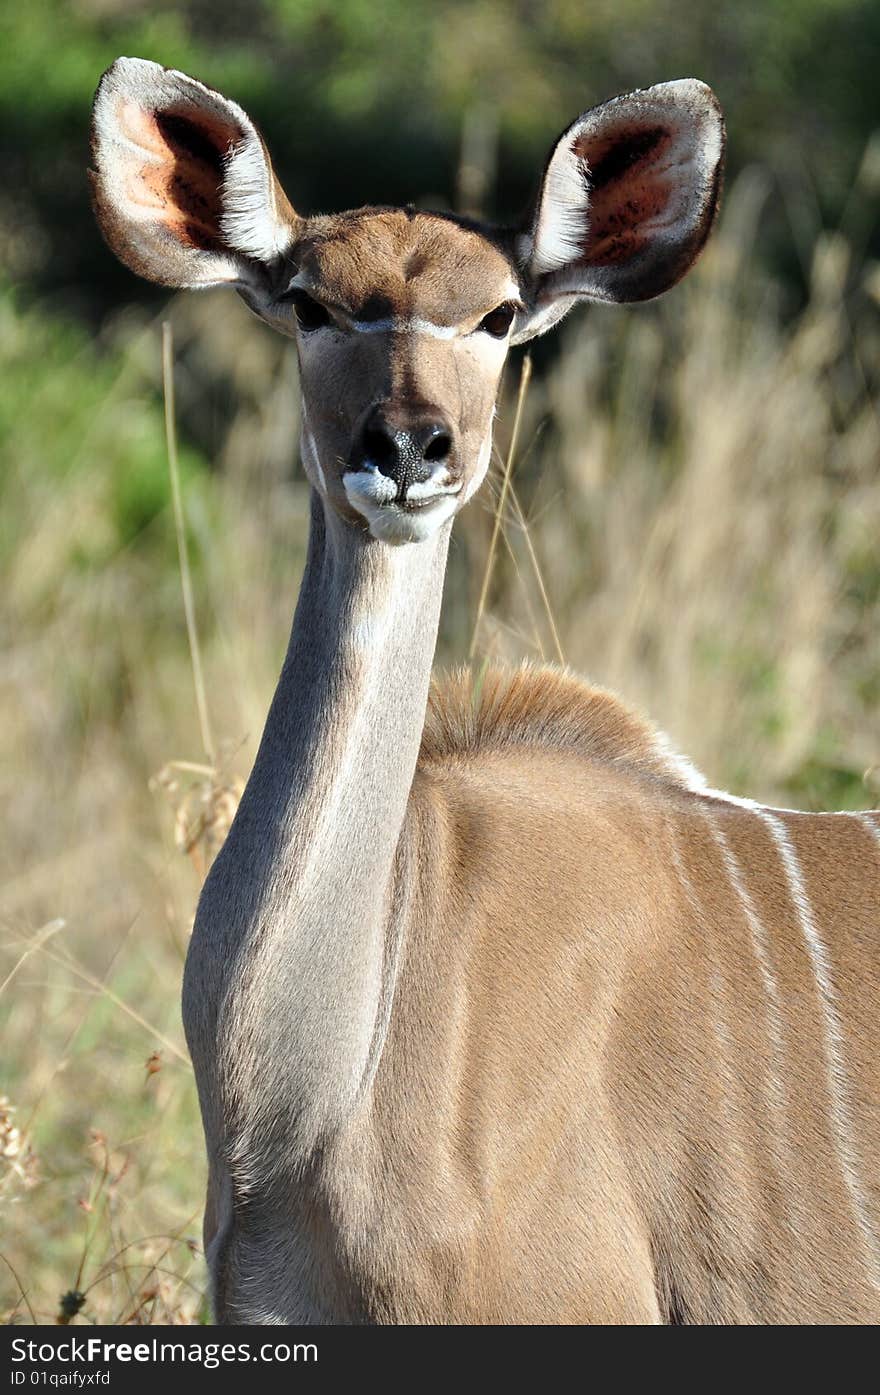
{"type": "Point", "coordinates": [421, 264]}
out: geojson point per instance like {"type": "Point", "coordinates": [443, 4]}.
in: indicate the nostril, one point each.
{"type": "Point", "coordinates": [379, 448]}
{"type": "Point", "coordinates": [438, 447]}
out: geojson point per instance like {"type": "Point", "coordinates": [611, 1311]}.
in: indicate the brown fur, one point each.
{"type": "Point", "coordinates": [626, 947]}
{"type": "Point", "coordinates": [378, 262]}
{"type": "Point", "coordinates": [539, 706]}
{"type": "Point", "coordinates": [580, 1048]}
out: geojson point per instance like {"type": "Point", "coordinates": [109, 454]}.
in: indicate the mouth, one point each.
{"type": "Point", "coordinates": [417, 505]}
{"type": "Point", "coordinates": [421, 511]}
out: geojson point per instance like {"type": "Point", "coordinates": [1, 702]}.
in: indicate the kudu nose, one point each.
{"type": "Point", "coordinates": [409, 448]}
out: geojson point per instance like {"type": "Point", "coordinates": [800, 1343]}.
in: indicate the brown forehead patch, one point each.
{"type": "Point", "coordinates": [380, 262]}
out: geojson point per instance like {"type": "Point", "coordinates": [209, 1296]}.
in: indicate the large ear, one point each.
{"type": "Point", "coordinates": [627, 201]}
{"type": "Point", "coordinates": [183, 187]}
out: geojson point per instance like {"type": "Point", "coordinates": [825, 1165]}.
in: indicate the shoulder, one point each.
{"type": "Point", "coordinates": [538, 706]}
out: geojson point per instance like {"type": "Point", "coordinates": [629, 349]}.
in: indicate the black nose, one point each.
{"type": "Point", "coordinates": [406, 446]}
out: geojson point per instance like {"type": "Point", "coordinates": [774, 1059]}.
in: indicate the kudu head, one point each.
{"type": "Point", "coordinates": [402, 318]}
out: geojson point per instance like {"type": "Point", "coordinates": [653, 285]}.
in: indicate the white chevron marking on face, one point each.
{"type": "Point", "coordinates": [407, 324]}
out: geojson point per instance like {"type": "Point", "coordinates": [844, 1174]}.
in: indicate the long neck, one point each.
{"type": "Point", "coordinates": [300, 896]}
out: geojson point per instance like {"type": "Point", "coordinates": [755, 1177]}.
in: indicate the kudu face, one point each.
{"type": "Point", "coordinates": [402, 318]}
{"type": "Point", "coordinates": [403, 322]}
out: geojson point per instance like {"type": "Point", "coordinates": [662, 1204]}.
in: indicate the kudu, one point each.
{"type": "Point", "coordinates": [498, 1013]}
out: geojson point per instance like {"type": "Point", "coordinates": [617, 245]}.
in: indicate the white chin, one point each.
{"type": "Point", "coordinates": [396, 526]}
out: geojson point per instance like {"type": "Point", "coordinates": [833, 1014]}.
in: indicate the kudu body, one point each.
{"type": "Point", "coordinates": [497, 1014]}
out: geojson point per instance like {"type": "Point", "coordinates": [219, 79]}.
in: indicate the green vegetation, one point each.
{"type": "Point", "coordinates": [697, 481]}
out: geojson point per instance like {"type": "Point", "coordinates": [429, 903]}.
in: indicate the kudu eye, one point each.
{"type": "Point", "coordinates": [498, 321]}
{"type": "Point", "coordinates": [310, 314]}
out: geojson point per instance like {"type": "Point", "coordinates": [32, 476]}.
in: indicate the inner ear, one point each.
{"type": "Point", "coordinates": [180, 178]}
{"type": "Point", "coordinates": [632, 190]}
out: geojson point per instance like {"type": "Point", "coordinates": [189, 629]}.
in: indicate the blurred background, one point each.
{"type": "Point", "coordinates": [694, 518]}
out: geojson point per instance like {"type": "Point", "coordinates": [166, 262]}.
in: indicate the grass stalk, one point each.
{"type": "Point", "coordinates": [182, 554]}
{"type": "Point", "coordinates": [524, 379]}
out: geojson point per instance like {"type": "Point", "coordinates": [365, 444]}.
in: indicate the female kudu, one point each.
{"type": "Point", "coordinates": [497, 1014]}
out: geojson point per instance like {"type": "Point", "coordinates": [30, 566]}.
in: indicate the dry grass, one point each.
{"type": "Point", "coordinates": [695, 494]}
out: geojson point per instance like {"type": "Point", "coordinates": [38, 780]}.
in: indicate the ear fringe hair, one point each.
{"type": "Point", "coordinates": [250, 222]}
{"type": "Point", "coordinates": [562, 223]}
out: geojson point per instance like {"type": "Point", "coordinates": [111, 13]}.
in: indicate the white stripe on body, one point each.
{"type": "Point", "coordinates": [833, 1041]}
{"type": "Point", "coordinates": [870, 819]}
{"type": "Point", "coordinates": [761, 947]}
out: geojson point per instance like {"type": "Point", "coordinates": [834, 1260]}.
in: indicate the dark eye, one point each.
{"type": "Point", "coordinates": [310, 314]}
{"type": "Point", "coordinates": [498, 321]}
